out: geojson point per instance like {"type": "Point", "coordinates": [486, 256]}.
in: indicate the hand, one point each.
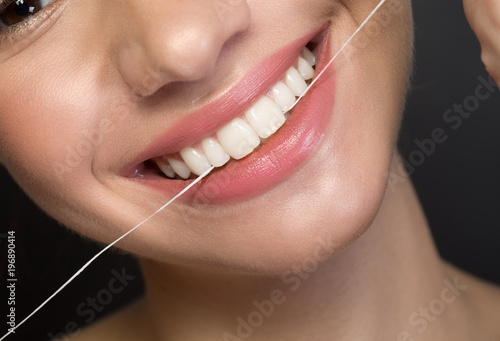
{"type": "Point", "coordinates": [484, 19]}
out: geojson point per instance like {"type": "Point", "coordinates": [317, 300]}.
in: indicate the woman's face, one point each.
{"type": "Point", "coordinates": [94, 91]}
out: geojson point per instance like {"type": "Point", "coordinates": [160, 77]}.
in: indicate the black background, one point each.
{"type": "Point", "coordinates": [458, 186]}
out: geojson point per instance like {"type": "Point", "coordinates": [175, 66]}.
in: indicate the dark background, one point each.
{"type": "Point", "coordinates": [458, 186]}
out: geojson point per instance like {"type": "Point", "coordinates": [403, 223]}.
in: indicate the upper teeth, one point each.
{"type": "Point", "coordinates": [243, 134]}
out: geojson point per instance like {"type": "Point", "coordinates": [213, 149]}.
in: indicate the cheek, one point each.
{"type": "Point", "coordinates": [45, 115]}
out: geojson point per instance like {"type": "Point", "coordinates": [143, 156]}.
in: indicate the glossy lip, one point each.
{"type": "Point", "coordinates": [274, 161]}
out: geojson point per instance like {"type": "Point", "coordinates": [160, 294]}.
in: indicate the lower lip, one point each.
{"type": "Point", "coordinates": [281, 155]}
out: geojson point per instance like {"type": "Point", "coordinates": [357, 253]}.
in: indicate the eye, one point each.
{"type": "Point", "coordinates": [15, 11]}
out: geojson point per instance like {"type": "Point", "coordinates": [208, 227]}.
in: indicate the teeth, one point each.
{"type": "Point", "coordinates": [295, 82]}
{"type": "Point", "coordinates": [195, 160]}
{"type": "Point", "coordinates": [305, 69]}
{"type": "Point", "coordinates": [214, 152]}
{"type": "Point", "coordinates": [309, 56]}
{"type": "Point", "coordinates": [166, 168]}
{"type": "Point", "coordinates": [265, 117]}
{"type": "Point", "coordinates": [283, 96]}
{"type": "Point", "coordinates": [237, 138]}
{"type": "Point", "coordinates": [180, 168]}
{"type": "Point", "coordinates": [242, 135]}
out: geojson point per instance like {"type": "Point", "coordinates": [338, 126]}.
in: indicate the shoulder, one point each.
{"type": "Point", "coordinates": [483, 300]}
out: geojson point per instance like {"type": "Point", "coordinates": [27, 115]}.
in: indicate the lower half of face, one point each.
{"type": "Point", "coordinates": [83, 144]}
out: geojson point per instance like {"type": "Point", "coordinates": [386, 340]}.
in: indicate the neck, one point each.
{"type": "Point", "coordinates": [388, 285]}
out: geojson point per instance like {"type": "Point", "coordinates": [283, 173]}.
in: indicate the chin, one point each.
{"type": "Point", "coordinates": [292, 180]}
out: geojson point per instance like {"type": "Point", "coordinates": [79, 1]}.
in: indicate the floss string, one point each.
{"type": "Point", "coordinates": [86, 265]}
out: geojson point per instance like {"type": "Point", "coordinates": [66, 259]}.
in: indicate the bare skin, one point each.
{"type": "Point", "coordinates": [341, 249]}
{"type": "Point", "coordinates": [369, 291]}
{"type": "Point", "coordinates": [484, 18]}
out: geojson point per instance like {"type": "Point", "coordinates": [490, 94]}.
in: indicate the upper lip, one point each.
{"type": "Point", "coordinates": [230, 105]}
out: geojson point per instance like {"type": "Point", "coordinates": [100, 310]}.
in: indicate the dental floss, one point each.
{"type": "Point", "coordinates": [12, 330]}
{"type": "Point", "coordinates": [338, 52]}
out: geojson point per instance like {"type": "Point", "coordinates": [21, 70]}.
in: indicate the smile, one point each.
{"type": "Point", "coordinates": [239, 132]}
{"type": "Point", "coordinates": [244, 134]}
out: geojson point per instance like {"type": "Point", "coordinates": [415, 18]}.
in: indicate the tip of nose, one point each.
{"type": "Point", "coordinates": [183, 64]}
{"type": "Point", "coordinates": [180, 50]}
{"type": "Point", "coordinates": [194, 56]}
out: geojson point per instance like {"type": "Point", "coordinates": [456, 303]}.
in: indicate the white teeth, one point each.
{"type": "Point", "coordinates": [165, 168]}
{"type": "Point", "coordinates": [237, 138]}
{"type": "Point", "coordinates": [195, 160]}
{"type": "Point", "coordinates": [283, 96]}
{"type": "Point", "coordinates": [265, 117]}
{"type": "Point", "coordinates": [309, 56]}
{"type": "Point", "coordinates": [295, 82]}
{"type": "Point", "coordinates": [305, 69]}
{"type": "Point", "coordinates": [180, 168]}
{"type": "Point", "coordinates": [214, 152]}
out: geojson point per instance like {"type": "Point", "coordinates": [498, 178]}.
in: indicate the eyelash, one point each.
{"type": "Point", "coordinates": [8, 31]}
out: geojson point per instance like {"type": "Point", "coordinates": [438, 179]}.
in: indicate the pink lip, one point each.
{"type": "Point", "coordinates": [264, 168]}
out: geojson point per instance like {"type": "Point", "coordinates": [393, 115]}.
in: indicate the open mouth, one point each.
{"type": "Point", "coordinates": [243, 134]}
{"type": "Point", "coordinates": [251, 134]}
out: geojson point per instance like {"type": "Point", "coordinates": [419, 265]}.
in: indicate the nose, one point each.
{"type": "Point", "coordinates": [163, 41]}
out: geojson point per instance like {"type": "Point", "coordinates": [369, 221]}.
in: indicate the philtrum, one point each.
{"type": "Point", "coordinates": [12, 330]}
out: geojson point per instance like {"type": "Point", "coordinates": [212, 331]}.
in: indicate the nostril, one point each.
{"type": "Point", "coordinates": [174, 43]}
{"type": "Point", "coordinates": [146, 70]}
{"type": "Point", "coordinates": [138, 71]}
